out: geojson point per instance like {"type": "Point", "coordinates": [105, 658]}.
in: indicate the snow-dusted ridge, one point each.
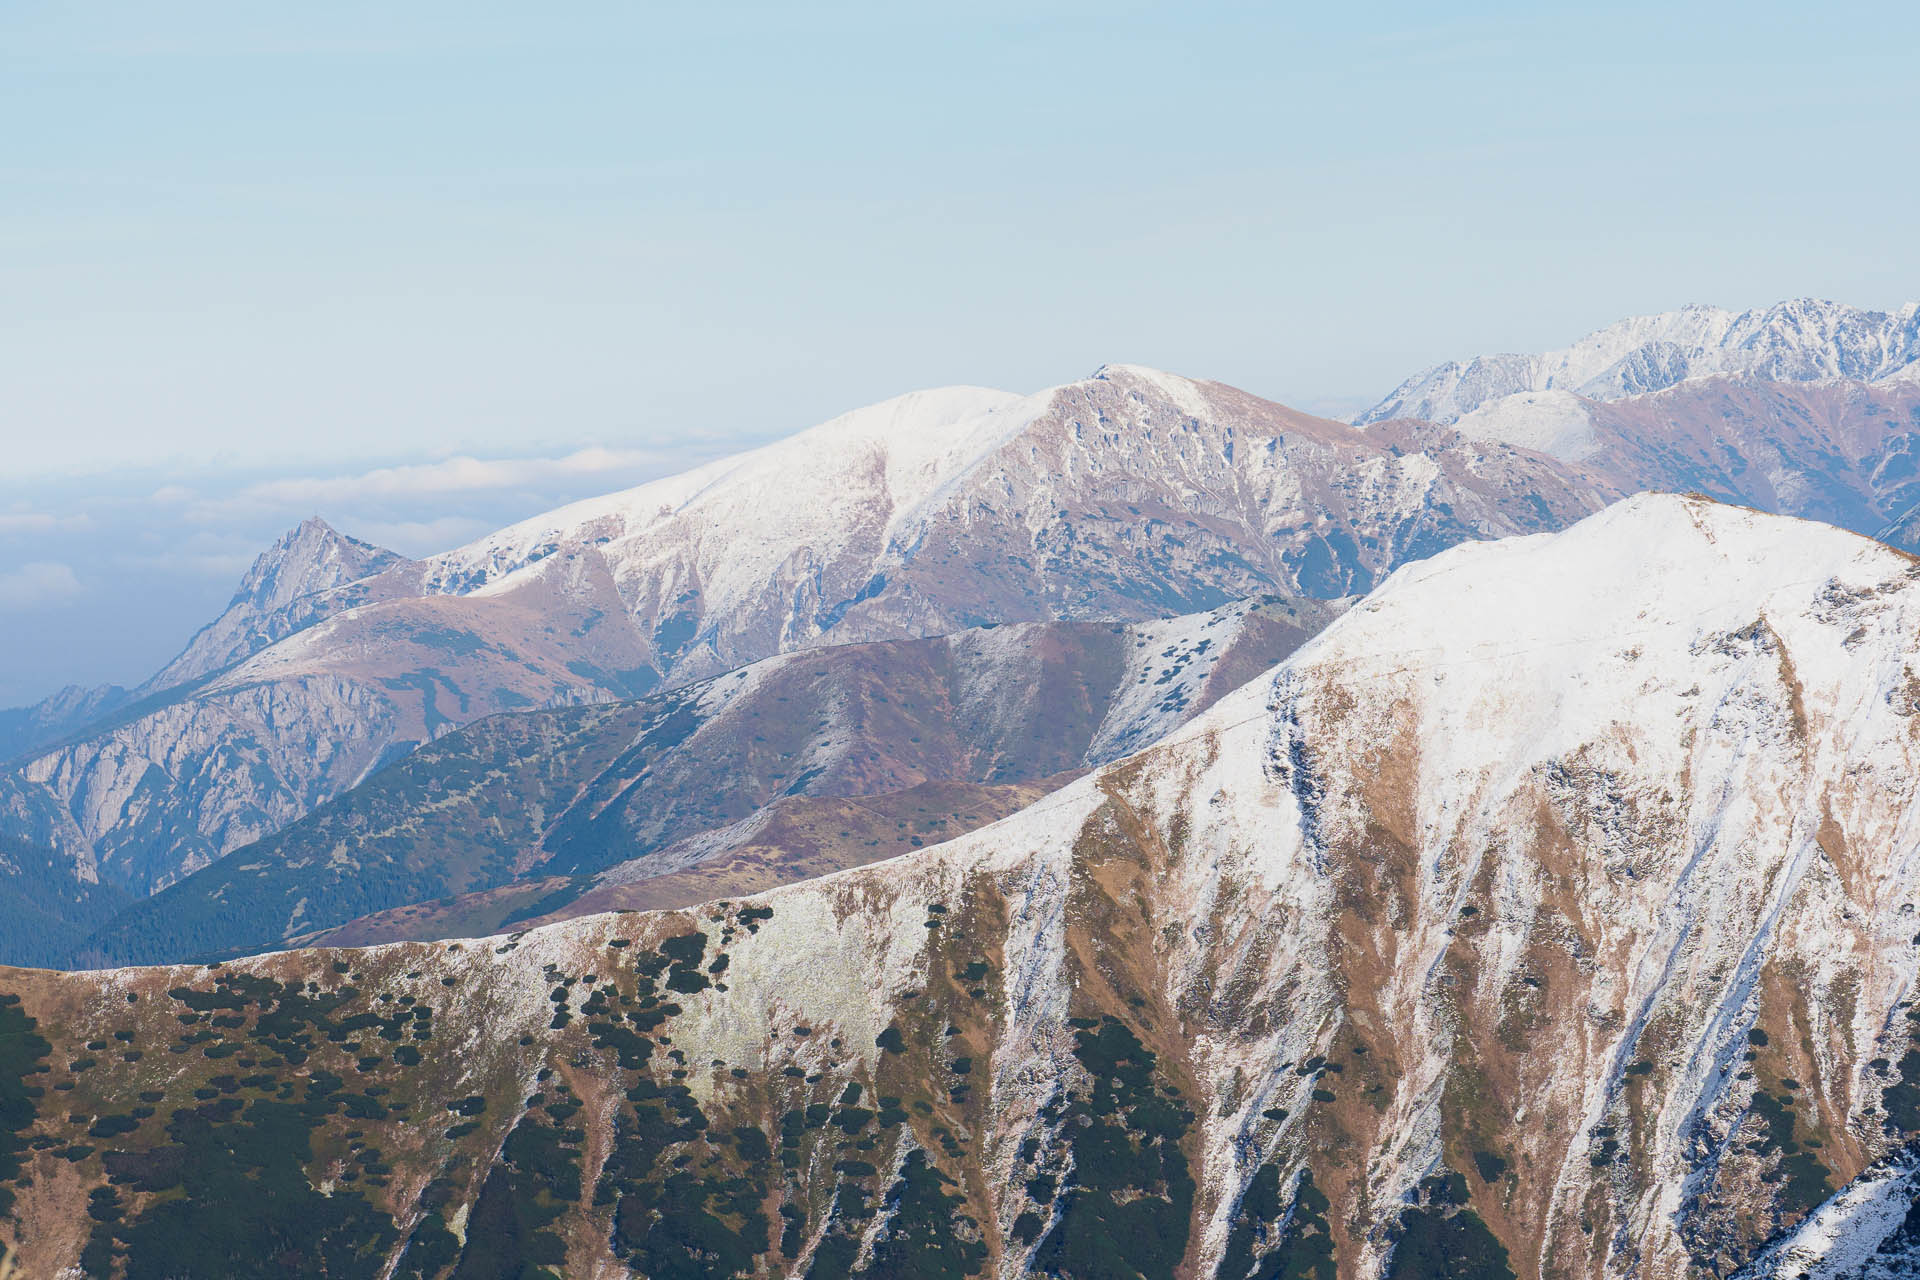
{"type": "Point", "coordinates": [1126, 496]}
{"type": "Point", "coordinates": [1805, 340]}
{"type": "Point", "coordinates": [912, 444]}
{"type": "Point", "coordinates": [1647, 766]}
{"type": "Point", "coordinates": [1675, 682]}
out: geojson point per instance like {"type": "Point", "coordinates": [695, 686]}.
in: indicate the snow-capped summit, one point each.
{"type": "Point", "coordinates": [1552, 914]}
{"type": "Point", "coordinates": [307, 560]}
{"type": "Point", "coordinates": [1805, 340]}
{"type": "Point", "coordinates": [310, 557]}
{"type": "Point", "coordinates": [802, 493]}
{"type": "Point", "coordinates": [1128, 494]}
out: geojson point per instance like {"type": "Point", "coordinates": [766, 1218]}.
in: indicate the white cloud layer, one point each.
{"type": "Point", "coordinates": [38, 583]}
{"type": "Point", "coordinates": [436, 532]}
{"type": "Point", "coordinates": [453, 475]}
{"type": "Point", "coordinates": [39, 522]}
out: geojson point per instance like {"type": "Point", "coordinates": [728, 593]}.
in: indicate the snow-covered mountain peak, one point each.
{"type": "Point", "coordinates": [1597, 821]}
{"type": "Point", "coordinates": [1801, 340]}
{"type": "Point", "coordinates": [312, 556]}
{"type": "Point", "coordinates": [910, 446]}
{"type": "Point", "coordinates": [1648, 567]}
{"type": "Point", "coordinates": [1120, 371]}
{"type": "Point", "coordinates": [907, 444]}
{"type": "Point", "coordinates": [825, 520]}
{"type": "Point", "coordinates": [303, 575]}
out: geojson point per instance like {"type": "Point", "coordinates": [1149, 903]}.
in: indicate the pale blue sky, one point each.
{"type": "Point", "coordinates": [245, 240]}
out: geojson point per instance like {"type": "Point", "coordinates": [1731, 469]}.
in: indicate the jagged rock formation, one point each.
{"type": "Point", "coordinates": [1129, 495]}
{"type": "Point", "coordinates": [1551, 914]}
{"type": "Point", "coordinates": [306, 575]}
{"type": "Point", "coordinates": [557, 812]}
{"type": "Point", "coordinates": [1807, 409]}
{"type": "Point", "coordinates": [1805, 340]}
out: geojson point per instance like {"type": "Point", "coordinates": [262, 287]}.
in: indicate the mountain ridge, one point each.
{"type": "Point", "coordinates": [1125, 496]}
{"type": "Point", "coordinates": [1550, 913]}
{"type": "Point", "coordinates": [1801, 340]}
{"type": "Point", "coordinates": [308, 560]}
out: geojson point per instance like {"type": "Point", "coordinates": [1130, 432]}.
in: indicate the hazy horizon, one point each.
{"type": "Point", "coordinates": [247, 246]}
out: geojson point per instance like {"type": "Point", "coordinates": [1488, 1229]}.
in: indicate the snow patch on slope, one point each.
{"type": "Point", "coordinates": [1168, 664]}
{"type": "Point", "coordinates": [1550, 422]}
{"type": "Point", "coordinates": [1857, 1235]}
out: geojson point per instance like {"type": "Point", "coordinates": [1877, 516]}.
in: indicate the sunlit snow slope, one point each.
{"type": "Point", "coordinates": [1551, 914]}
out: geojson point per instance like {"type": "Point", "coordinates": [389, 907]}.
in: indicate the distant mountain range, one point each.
{"type": "Point", "coordinates": [1807, 340]}
{"type": "Point", "coordinates": [1808, 407]}
{"type": "Point", "coordinates": [1551, 913]}
{"type": "Point", "coordinates": [1128, 496]}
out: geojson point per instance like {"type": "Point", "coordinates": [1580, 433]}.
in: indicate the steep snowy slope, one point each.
{"type": "Point", "coordinates": [1807, 340]}
{"type": "Point", "coordinates": [1551, 914]}
{"type": "Point", "coordinates": [1129, 495]}
{"type": "Point", "coordinates": [559, 804]}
